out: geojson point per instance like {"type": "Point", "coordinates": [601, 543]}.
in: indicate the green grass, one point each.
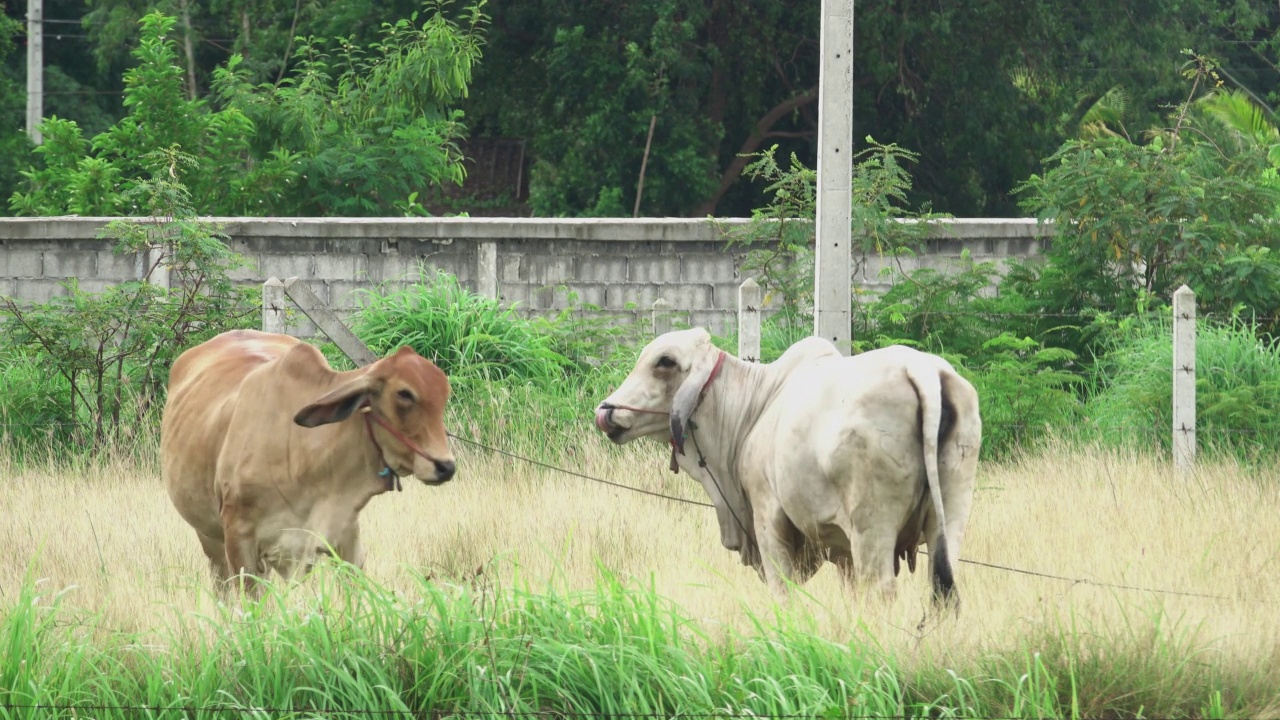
{"type": "Point", "coordinates": [1237, 390]}
{"type": "Point", "coordinates": [471, 337]}
{"type": "Point", "coordinates": [341, 643]}
{"type": "Point", "coordinates": [34, 413]}
{"type": "Point", "coordinates": [345, 645]}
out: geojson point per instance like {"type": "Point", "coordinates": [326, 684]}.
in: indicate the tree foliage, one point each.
{"type": "Point", "coordinates": [113, 348]}
{"type": "Point", "coordinates": [1196, 203]}
{"type": "Point", "coordinates": [982, 91]}
{"type": "Point", "coordinates": [352, 132]}
{"type": "Point", "coordinates": [14, 144]}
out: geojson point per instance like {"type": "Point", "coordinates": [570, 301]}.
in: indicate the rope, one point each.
{"type": "Point", "coordinates": [1097, 583]}
{"type": "Point", "coordinates": [578, 474]}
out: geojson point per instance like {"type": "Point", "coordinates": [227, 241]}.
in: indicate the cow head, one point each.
{"type": "Point", "coordinates": [406, 394]}
{"type": "Point", "coordinates": [662, 390]}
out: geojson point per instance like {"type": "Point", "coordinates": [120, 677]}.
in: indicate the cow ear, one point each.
{"type": "Point", "coordinates": [337, 405]}
{"type": "Point", "coordinates": [686, 401]}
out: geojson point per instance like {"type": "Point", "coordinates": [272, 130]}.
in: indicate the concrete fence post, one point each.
{"type": "Point", "coordinates": [661, 316]}
{"type": "Point", "coordinates": [1184, 379]}
{"type": "Point", "coordinates": [273, 307]}
{"type": "Point", "coordinates": [487, 268]}
{"type": "Point", "coordinates": [160, 272]}
{"type": "Point", "coordinates": [750, 297]}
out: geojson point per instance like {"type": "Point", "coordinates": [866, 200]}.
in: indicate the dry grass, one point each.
{"type": "Point", "coordinates": [110, 533]}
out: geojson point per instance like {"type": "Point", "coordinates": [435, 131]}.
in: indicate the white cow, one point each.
{"type": "Point", "coordinates": [816, 456]}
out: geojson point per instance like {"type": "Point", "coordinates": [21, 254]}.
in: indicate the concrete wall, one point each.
{"type": "Point", "coordinates": [620, 265]}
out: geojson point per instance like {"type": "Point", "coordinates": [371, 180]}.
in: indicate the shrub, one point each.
{"type": "Point", "coordinates": [527, 380]}
{"type": "Point", "coordinates": [1196, 204]}
{"type": "Point", "coordinates": [471, 337]}
{"type": "Point", "coordinates": [1237, 389]}
{"type": "Point", "coordinates": [35, 414]}
{"type": "Point", "coordinates": [113, 348]}
{"type": "Point", "coordinates": [1024, 392]}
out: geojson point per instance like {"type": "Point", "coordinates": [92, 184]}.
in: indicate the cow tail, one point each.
{"type": "Point", "coordinates": [928, 386]}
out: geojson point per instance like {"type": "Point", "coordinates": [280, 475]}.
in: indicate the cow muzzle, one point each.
{"type": "Point", "coordinates": [604, 418]}
{"type": "Point", "coordinates": [434, 472]}
{"type": "Point", "coordinates": [620, 428]}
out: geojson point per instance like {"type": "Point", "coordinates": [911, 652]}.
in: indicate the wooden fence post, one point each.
{"type": "Point", "coordinates": [661, 316]}
{"type": "Point", "coordinates": [750, 298]}
{"type": "Point", "coordinates": [1184, 379]}
{"type": "Point", "coordinates": [273, 308]}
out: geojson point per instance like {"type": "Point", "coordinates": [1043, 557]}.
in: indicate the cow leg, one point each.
{"type": "Point", "coordinates": [217, 554]}
{"type": "Point", "coordinates": [242, 550]}
{"type": "Point", "coordinates": [877, 558]}
{"type": "Point", "coordinates": [775, 534]}
{"type": "Point", "coordinates": [349, 548]}
{"type": "Point", "coordinates": [868, 564]}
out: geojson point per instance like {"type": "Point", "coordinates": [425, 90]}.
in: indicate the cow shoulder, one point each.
{"type": "Point", "coordinates": [260, 421]}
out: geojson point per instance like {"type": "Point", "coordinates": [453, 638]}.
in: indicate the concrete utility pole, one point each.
{"type": "Point", "coordinates": [35, 68]}
{"type": "Point", "coordinates": [832, 293]}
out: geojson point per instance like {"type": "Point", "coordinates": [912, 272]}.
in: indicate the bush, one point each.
{"type": "Point", "coordinates": [1196, 204]}
{"type": "Point", "coordinates": [1237, 389]}
{"type": "Point", "coordinates": [471, 337]}
{"type": "Point", "coordinates": [35, 414]}
{"type": "Point", "coordinates": [112, 349]}
{"type": "Point", "coordinates": [532, 381]}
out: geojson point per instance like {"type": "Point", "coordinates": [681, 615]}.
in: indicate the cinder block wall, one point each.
{"type": "Point", "coordinates": [620, 265]}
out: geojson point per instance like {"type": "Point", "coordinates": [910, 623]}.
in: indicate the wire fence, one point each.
{"type": "Point", "coordinates": [699, 503]}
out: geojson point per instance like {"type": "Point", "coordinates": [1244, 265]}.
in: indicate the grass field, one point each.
{"type": "Point", "coordinates": [572, 572]}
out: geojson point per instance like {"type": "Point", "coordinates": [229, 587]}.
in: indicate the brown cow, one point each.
{"type": "Point", "coordinates": [264, 454]}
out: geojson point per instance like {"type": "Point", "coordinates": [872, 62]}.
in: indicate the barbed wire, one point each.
{"type": "Point", "coordinates": [996, 566]}
{"type": "Point", "coordinates": [549, 466]}
{"type": "Point", "coordinates": [1074, 581]}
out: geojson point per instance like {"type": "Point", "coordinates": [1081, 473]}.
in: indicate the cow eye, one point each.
{"type": "Point", "coordinates": [405, 395]}
{"type": "Point", "coordinates": [666, 361]}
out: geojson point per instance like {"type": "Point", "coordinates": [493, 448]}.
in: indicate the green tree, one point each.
{"type": "Point", "coordinates": [1195, 203]}
{"type": "Point", "coordinates": [363, 129]}
{"type": "Point", "coordinates": [583, 81]}
{"type": "Point", "coordinates": [14, 143]}
{"type": "Point", "coordinates": [113, 348]}
{"type": "Point", "coordinates": [983, 90]}
{"type": "Point", "coordinates": [352, 133]}
{"type": "Point", "coordinates": [95, 177]}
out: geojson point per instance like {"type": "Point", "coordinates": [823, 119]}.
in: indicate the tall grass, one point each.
{"type": "Point", "coordinates": [1237, 390]}
{"type": "Point", "coordinates": [348, 646]}
{"type": "Point", "coordinates": [525, 384]}
{"type": "Point", "coordinates": [471, 337]}
{"type": "Point", "coordinates": [34, 414]}
{"type": "Point", "coordinates": [511, 589]}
